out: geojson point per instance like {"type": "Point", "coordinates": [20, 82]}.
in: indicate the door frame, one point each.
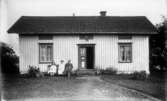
{"type": "Point", "coordinates": [79, 60]}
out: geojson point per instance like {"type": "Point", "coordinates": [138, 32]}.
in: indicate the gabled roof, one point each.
{"type": "Point", "coordinates": [83, 24]}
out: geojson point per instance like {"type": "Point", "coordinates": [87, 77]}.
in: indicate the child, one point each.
{"type": "Point", "coordinates": [52, 69]}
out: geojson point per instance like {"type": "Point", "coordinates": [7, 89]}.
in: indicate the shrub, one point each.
{"type": "Point", "coordinates": [109, 71]}
{"type": "Point", "coordinates": [139, 75]}
{"type": "Point", "coordinates": [9, 59]}
{"type": "Point", "coordinates": [74, 72]}
{"type": "Point", "coordinates": [34, 71]}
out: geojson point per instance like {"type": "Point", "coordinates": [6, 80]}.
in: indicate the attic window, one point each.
{"type": "Point", "coordinates": [45, 37]}
{"type": "Point", "coordinates": [85, 37]}
{"type": "Point", "coordinates": [124, 37]}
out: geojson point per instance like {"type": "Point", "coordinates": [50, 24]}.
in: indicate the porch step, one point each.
{"type": "Point", "coordinates": [86, 72]}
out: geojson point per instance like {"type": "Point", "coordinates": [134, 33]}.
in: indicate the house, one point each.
{"type": "Point", "coordinates": [90, 42]}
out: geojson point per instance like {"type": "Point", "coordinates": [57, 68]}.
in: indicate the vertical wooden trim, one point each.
{"type": "Point", "coordinates": [94, 57]}
{"type": "Point", "coordinates": [79, 57]}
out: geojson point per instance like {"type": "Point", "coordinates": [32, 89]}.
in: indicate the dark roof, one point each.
{"type": "Point", "coordinates": [83, 24]}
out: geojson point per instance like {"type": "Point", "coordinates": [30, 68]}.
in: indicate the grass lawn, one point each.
{"type": "Point", "coordinates": [153, 87]}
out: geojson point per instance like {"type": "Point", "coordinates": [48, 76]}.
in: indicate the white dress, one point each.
{"type": "Point", "coordinates": [61, 68]}
{"type": "Point", "coordinates": [52, 69]}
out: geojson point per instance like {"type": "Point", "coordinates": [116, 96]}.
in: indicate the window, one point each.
{"type": "Point", "coordinates": [124, 37]}
{"type": "Point", "coordinates": [85, 37]}
{"type": "Point", "coordinates": [45, 52]}
{"type": "Point", "coordinates": [125, 52]}
{"type": "Point", "coordinates": [45, 37]}
{"type": "Point", "coordinates": [83, 51]}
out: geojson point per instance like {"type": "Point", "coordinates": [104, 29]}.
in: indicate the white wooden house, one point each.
{"type": "Point", "coordinates": [90, 42]}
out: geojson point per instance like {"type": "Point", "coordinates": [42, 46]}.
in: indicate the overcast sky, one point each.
{"type": "Point", "coordinates": [11, 10]}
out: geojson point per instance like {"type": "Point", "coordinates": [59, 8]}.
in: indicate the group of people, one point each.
{"type": "Point", "coordinates": [61, 69]}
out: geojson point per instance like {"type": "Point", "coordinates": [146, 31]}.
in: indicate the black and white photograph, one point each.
{"type": "Point", "coordinates": [83, 50]}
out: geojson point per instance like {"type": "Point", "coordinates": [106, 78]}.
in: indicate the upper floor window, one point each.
{"type": "Point", "coordinates": [124, 37]}
{"type": "Point", "coordinates": [125, 52]}
{"type": "Point", "coordinates": [45, 52]}
{"type": "Point", "coordinates": [85, 37]}
{"type": "Point", "coordinates": [45, 37]}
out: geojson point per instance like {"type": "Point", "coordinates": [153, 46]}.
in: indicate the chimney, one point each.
{"type": "Point", "coordinates": [103, 13]}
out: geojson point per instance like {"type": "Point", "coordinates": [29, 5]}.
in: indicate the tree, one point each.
{"type": "Point", "coordinates": [158, 49]}
{"type": "Point", "coordinates": [9, 60]}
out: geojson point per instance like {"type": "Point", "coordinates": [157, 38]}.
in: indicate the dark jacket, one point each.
{"type": "Point", "coordinates": [68, 67]}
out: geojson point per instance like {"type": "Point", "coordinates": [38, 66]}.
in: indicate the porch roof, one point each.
{"type": "Point", "coordinates": [83, 25]}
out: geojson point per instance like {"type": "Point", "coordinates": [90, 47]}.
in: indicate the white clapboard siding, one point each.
{"type": "Point", "coordinates": [28, 52]}
{"type": "Point", "coordinates": [141, 53]}
{"type": "Point", "coordinates": [140, 56]}
{"type": "Point", "coordinates": [65, 48]}
{"type": "Point", "coordinates": [106, 52]}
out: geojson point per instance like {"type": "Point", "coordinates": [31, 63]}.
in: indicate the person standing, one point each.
{"type": "Point", "coordinates": [61, 67]}
{"type": "Point", "coordinates": [68, 68]}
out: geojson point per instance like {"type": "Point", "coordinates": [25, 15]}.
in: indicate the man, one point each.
{"type": "Point", "coordinates": [68, 68]}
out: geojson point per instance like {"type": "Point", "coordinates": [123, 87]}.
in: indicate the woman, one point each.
{"type": "Point", "coordinates": [61, 67]}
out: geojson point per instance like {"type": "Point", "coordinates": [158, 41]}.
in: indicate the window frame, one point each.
{"type": "Point", "coordinates": [45, 62]}
{"type": "Point", "coordinates": [131, 55]}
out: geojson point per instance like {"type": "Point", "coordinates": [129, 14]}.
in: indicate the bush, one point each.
{"type": "Point", "coordinates": [74, 72]}
{"type": "Point", "coordinates": [34, 71]}
{"type": "Point", "coordinates": [139, 75]}
{"type": "Point", "coordinates": [9, 59]}
{"type": "Point", "coordinates": [109, 71]}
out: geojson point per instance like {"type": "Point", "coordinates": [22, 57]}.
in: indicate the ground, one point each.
{"type": "Point", "coordinates": [153, 86]}
{"type": "Point", "coordinates": [61, 88]}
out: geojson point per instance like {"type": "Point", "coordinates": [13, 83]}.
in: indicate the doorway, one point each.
{"type": "Point", "coordinates": [86, 56]}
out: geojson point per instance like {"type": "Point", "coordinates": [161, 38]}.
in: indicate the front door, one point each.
{"type": "Point", "coordinates": [86, 56]}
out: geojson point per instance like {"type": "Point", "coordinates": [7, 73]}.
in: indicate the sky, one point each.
{"type": "Point", "coordinates": [12, 10]}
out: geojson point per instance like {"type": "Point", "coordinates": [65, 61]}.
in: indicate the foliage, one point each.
{"type": "Point", "coordinates": [158, 50]}
{"type": "Point", "coordinates": [9, 60]}
{"type": "Point", "coordinates": [139, 75]}
{"type": "Point", "coordinates": [34, 71]}
{"type": "Point", "coordinates": [75, 72]}
{"type": "Point", "coordinates": [109, 71]}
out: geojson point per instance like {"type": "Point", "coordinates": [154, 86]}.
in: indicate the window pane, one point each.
{"type": "Point", "coordinates": [42, 53]}
{"type": "Point", "coordinates": [83, 51]}
{"type": "Point", "coordinates": [121, 53]}
{"type": "Point", "coordinates": [49, 49]}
